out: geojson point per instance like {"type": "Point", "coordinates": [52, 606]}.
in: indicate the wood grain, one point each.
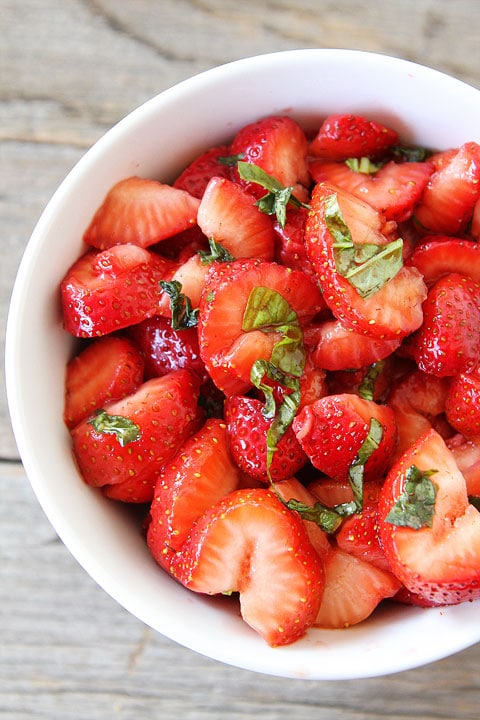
{"type": "Point", "coordinates": [69, 69]}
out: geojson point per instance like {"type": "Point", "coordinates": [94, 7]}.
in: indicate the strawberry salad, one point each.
{"type": "Point", "coordinates": [278, 358]}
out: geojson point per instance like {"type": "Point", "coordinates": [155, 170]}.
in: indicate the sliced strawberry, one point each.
{"type": "Point", "coordinates": [227, 350]}
{"type": "Point", "coordinates": [332, 430]}
{"type": "Point", "coordinates": [418, 400]}
{"type": "Point", "coordinates": [462, 405]}
{"type": "Point", "coordinates": [195, 178]}
{"type": "Point", "coordinates": [353, 589]}
{"type": "Point", "coordinates": [124, 449]}
{"type": "Point", "coordinates": [290, 249]}
{"type": "Point", "coordinates": [251, 544]}
{"type": "Point", "coordinates": [183, 245]}
{"type": "Point", "coordinates": [313, 382]}
{"type": "Point", "coordinates": [279, 146]}
{"type": "Point", "coordinates": [107, 291]}
{"type": "Point", "coordinates": [228, 214]}
{"type": "Point", "coordinates": [342, 136]}
{"type": "Point", "coordinates": [106, 370]}
{"type": "Point", "coordinates": [449, 339]}
{"type": "Point", "coordinates": [198, 476]}
{"type": "Point", "coordinates": [165, 349]}
{"type": "Point", "coordinates": [340, 348]}
{"type": "Point", "coordinates": [393, 190]}
{"type": "Point", "coordinates": [393, 307]}
{"type": "Point", "coordinates": [451, 193]}
{"type": "Point", "coordinates": [440, 255]}
{"type": "Point", "coordinates": [247, 437]}
{"type": "Point", "coordinates": [466, 452]}
{"type": "Point", "coordinates": [140, 211]}
{"type": "Point", "coordinates": [436, 552]}
{"type": "Point", "coordinates": [358, 535]}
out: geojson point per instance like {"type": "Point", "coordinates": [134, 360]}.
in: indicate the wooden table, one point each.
{"type": "Point", "coordinates": [69, 69]}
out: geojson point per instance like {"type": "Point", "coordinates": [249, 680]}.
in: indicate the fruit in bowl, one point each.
{"type": "Point", "coordinates": [268, 339]}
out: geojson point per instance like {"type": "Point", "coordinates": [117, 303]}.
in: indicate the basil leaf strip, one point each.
{"type": "Point", "coordinates": [415, 507]}
{"type": "Point", "coordinates": [366, 450]}
{"type": "Point", "coordinates": [367, 386]}
{"type": "Point", "coordinates": [363, 165]}
{"type": "Point", "coordinates": [183, 316]}
{"type": "Point", "coordinates": [124, 429]}
{"type": "Point", "coordinates": [217, 253]}
{"type": "Point", "coordinates": [278, 196]}
{"type": "Point", "coordinates": [366, 266]}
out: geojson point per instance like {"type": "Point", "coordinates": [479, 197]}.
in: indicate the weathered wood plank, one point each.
{"type": "Point", "coordinates": [68, 651]}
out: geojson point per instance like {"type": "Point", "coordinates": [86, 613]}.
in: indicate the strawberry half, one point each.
{"type": "Point", "coordinates": [279, 146]}
{"type": "Point", "coordinates": [198, 476]}
{"type": "Point", "coordinates": [452, 191]}
{"type": "Point", "coordinates": [393, 190]}
{"type": "Point", "coordinates": [429, 531]}
{"type": "Point", "coordinates": [110, 290]}
{"type": "Point", "coordinates": [228, 350]}
{"type": "Point", "coordinates": [247, 436]}
{"type": "Point", "coordinates": [343, 136]}
{"type": "Point", "coordinates": [228, 214]}
{"type": "Point", "coordinates": [332, 430]}
{"type": "Point", "coordinates": [376, 296]}
{"type": "Point", "coordinates": [440, 255]}
{"type": "Point", "coordinates": [466, 452]}
{"type": "Point", "coordinates": [140, 211]}
{"type": "Point", "coordinates": [124, 448]}
{"type": "Point", "coordinates": [251, 544]}
{"type": "Point", "coordinates": [449, 339]}
{"type": "Point", "coordinates": [196, 176]}
{"type": "Point", "coordinates": [106, 370]}
{"type": "Point", "coordinates": [462, 405]}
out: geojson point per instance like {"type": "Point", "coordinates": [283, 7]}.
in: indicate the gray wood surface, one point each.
{"type": "Point", "coordinates": [69, 69]}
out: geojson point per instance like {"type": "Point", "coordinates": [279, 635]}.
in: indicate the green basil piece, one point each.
{"type": "Point", "coordinates": [415, 507]}
{"type": "Point", "coordinates": [183, 315]}
{"type": "Point", "coordinates": [124, 429]}
{"type": "Point", "coordinates": [217, 253]}
{"type": "Point", "coordinates": [367, 386]}
{"type": "Point", "coordinates": [366, 450]}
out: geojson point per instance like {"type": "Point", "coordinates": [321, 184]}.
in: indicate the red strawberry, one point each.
{"type": "Point", "coordinates": [140, 211]}
{"type": "Point", "coordinates": [165, 349]}
{"type": "Point", "coordinates": [228, 214]}
{"type": "Point", "coordinates": [107, 291]}
{"type": "Point", "coordinates": [449, 339]}
{"type": "Point", "coordinates": [279, 146]}
{"type": "Point", "coordinates": [194, 179]}
{"type": "Point", "coordinates": [191, 276]}
{"type": "Point", "coordinates": [313, 382]}
{"type": "Point", "coordinates": [440, 255]}
{"type": "Point", "coordinates": [227, 350]}
{"type": "Point", "coordinates": [106, 370]}
{"type": "Point", "coordinates": [251, 544]}
{"type": "Point", "coordinates": [462, 406]}
{"type": "Point", "coordinates": [466, 452]}
{"type": "Point", "coordinates": [334, 492]}
{"type": "Point", "coordinates": [418, 401]}
{"type": "Point", "coordinates": [393, 190]}
{"type": "Point", "coordinates": [290, 241]}
{"type": "Point", "coordinates": [451, 193]}
{"type": "Point", "coordinates": [390, 308]}
{"type": "Point", "coordinates": [332, 430]}
{"type": "Point", "coordinates": [353, 589]}
{"type": "Point", "coordinates": [123, 449]}
{"type": "Point", "coordinates": [198, 476]}
{"type": "Point", "coordinates": [475, 224]}
{"type": "Point", "coordinates": [340, 348]}
{"type": "Point", "coordinates": [344, 136]}
{"type": "Point", "coordinates": [247, 436]}
{"type": "Point", "coordinates": [431, 539]}
{"type": "Point", "coordinates": [183, 245]}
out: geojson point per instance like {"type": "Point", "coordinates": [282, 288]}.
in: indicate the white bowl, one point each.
{"type": "Point", "coordinates": [157, 140]}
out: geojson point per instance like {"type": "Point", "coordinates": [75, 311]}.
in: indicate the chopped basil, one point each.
{"type": "Point", "coordinates": [415, 507]}
{"type": "Point", "coordinates": [217, 253]}
{"type": "Point", "coordinates": [230, 160]}
{"type": "Point", "coordinates": [366, 450]}
{"type": "Point", "coordinates": [363, 165]}
{"type": "Point", "coordinates": [183, 315]}
{"type": "Point", "coordinates": [367, 386]}
{"type": "Point", "coordinates": [326, 518]}
{"type": "Point", "coordinates": [278, 196]}
{"type": "Point", "coordinates": [411, 153]}
{"type": "Point", "coordinates": [124, 429]}
{"type": "Point", "coordinates": [366, 266]}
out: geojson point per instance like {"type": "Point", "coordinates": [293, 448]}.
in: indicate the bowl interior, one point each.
{"type": "Point", "coordinates": [157, 140]}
